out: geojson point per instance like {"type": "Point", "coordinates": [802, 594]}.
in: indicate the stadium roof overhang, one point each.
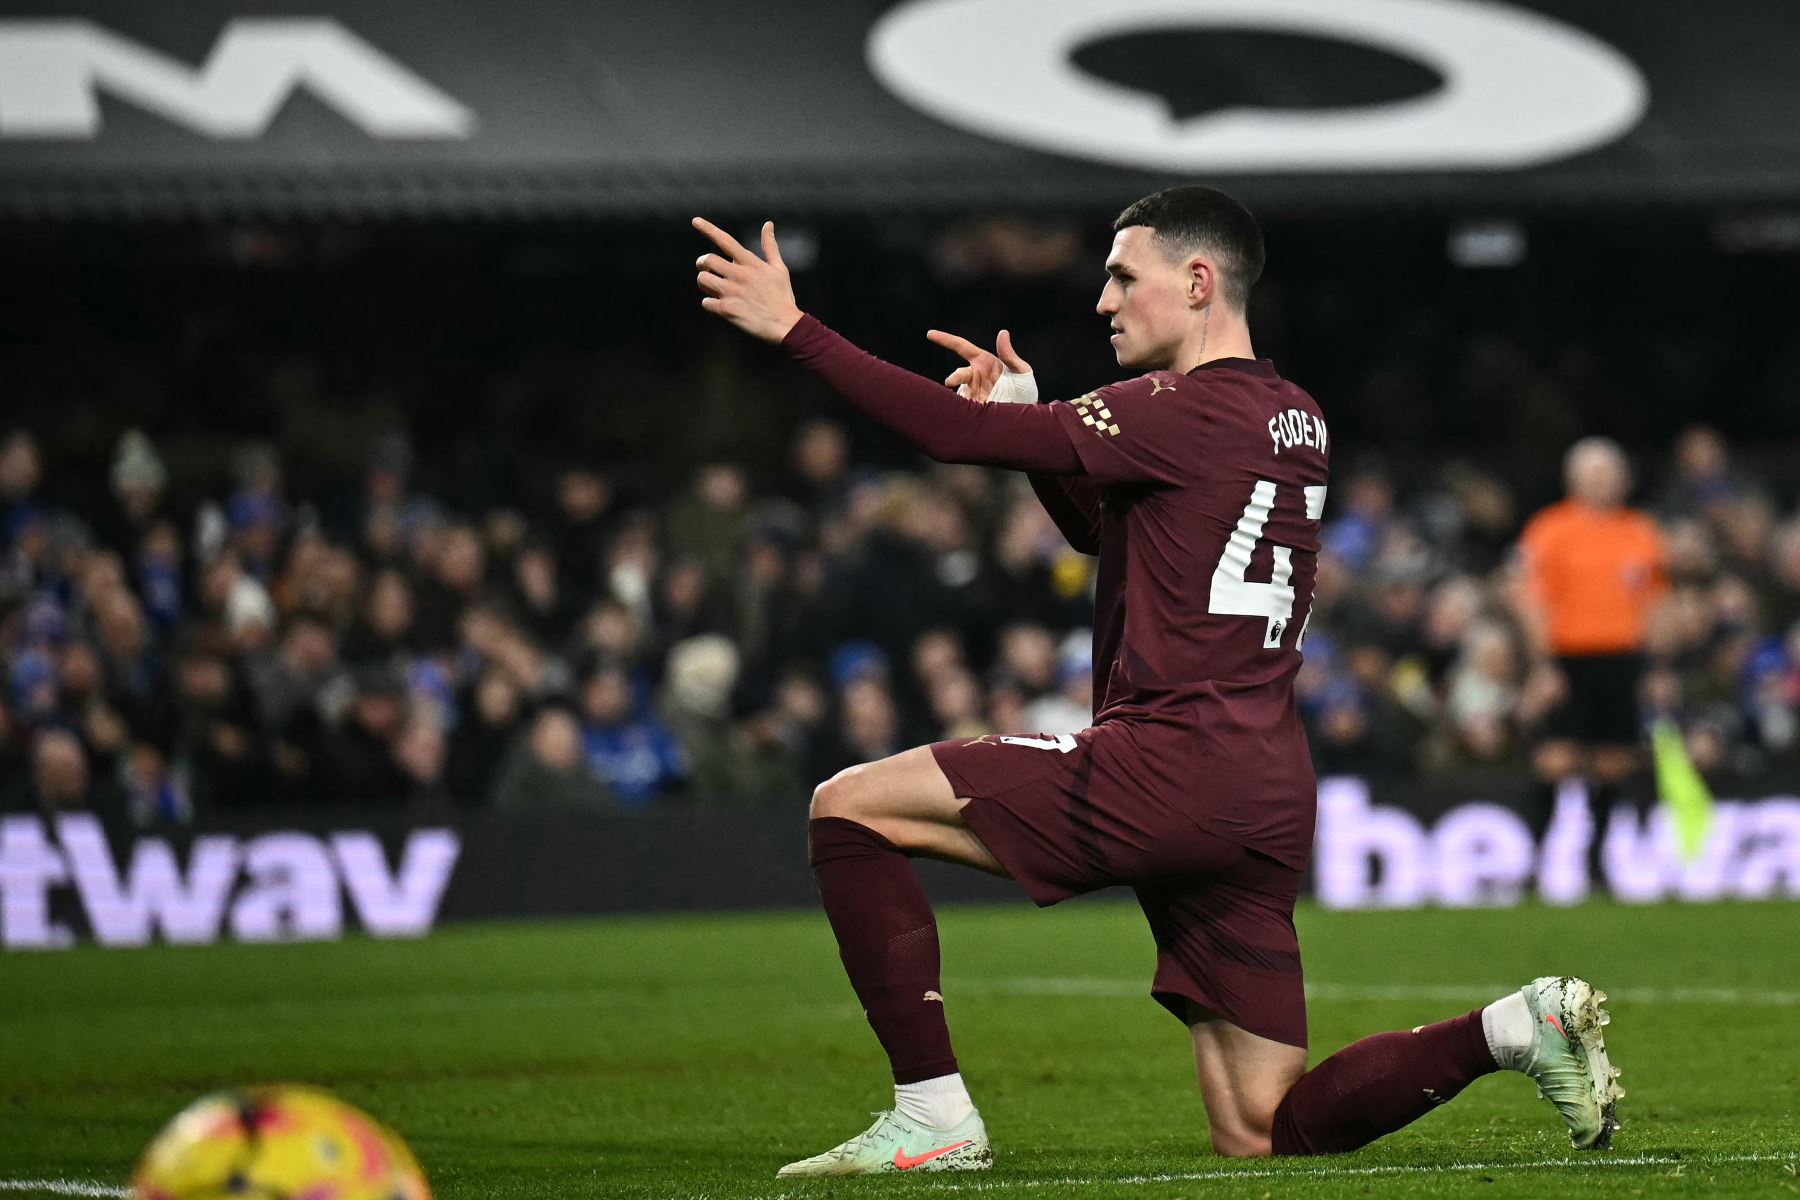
{"type": "Point", "coordinates": [543, 107]}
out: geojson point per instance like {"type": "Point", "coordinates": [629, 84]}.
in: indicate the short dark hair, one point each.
{"type": "Point", "coordinates": [1192, 218]}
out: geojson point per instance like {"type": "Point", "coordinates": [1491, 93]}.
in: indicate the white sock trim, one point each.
{"type": "Point", "coordinates": [1508, 1027]}
{"type": "Point", "coordinates": [942, 1103]}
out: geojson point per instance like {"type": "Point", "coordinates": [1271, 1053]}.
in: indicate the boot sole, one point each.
{"type": "Point", "coordinates": [1585, 1017]}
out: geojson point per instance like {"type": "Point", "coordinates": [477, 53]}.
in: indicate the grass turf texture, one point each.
{"type": "Point", "coordinates": [692, 1056]}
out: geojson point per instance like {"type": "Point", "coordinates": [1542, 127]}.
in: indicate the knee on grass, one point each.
{"type": "Point", "coordinates": [1239, 1141]}
{"type": "Point", "coordinates": [1241, 1132]}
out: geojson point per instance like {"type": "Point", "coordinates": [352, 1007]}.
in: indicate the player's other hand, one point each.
{"type": "Point", "coordinates": [984, 372]}
{"type": "Point", "coordinates": [752, 293]}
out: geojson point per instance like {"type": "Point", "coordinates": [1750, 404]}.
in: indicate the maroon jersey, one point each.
{"type": "Point", "coordinates": [1203, 494]}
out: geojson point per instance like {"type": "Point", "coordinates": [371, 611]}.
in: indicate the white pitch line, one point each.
{"type": "Point", "coordinates": [76, 1187]}
{"type": "Point", "coordinates": [1099, 986]}
{"type": "Point", "coordinates": [1593, 1163]}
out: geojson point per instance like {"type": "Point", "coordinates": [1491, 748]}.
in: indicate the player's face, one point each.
{"type": "Point", "coordinates": [1146, 300]}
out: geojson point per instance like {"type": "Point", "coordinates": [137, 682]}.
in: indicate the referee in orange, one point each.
{"type": "Point", "coordinates": [1593, 569]}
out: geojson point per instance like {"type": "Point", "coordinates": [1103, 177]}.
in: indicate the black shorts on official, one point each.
{"type": "Point", "coordinates": [1601, 708]}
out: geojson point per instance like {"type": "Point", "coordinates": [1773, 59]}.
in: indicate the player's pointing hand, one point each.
{"type": "Point", "coordinates": [1000, 376]}
{"type": "Point", "coordinates": [752, 293]}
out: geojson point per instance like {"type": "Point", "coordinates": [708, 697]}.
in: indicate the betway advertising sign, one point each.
{"type": "Point", "coordinates": [300, 876]}
{"type": "Point", "coordinates": [278, 886]}
{"type": "Point", "coordinates": [1477, 853]}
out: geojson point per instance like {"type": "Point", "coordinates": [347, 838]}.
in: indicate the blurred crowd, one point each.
{"type": "Point", "coordinates": [1421, 659]}
{"type": "Point", "coordinates": [731, 641]}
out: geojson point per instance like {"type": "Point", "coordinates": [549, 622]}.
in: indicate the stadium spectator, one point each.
{"type": "Point", "coordinates": [86, 709]}
{"type": "Point", "coordinates": [545, 772]}
{"type": "Point", "coordinates": [820, 468]}
{"type": "Point", "coordinates": [625, 747]}
{"type": "Point", "coordinates": [290, 684]}
{"type": "Point", "coordinates": [361, 765]}
{"type": "Point", "coordinates": [632, 564]}
{"type": "Point", "coordinates": [584, 517]}
{"type": "Point", "coordinates": [217, 746]}
{"type": "Point", "coordinates": [139, 480]}
{"type": "Point", "coordinates": [688, 604]}
{"type": "Point", "coordinates": [956, 708]}
{"type": "Point", "coordinates": [1783, 599]}
{"type": "Point", "coordinates": [59, 773]}
{"type": "Point", "coordinates": [537, 594]}
{"type": "Point", "coordinates": [1356, 533]}
{"type": "Point", "coordinates": [754, 763]}
{"type": "Point", "coordinates": [696, 703]}
{"type": "Point", "coordinates": [485, 728]}
{"type": "Point", "coordinates": [420, 752]}
{"type": "Point", "coordinates": [868, 726]}
{"type": "Point", "coordinates": [21, 468]}
{"type": "Point", "coordinates": [799, 714]}
{"type": "Point", "coordinates": [1702, 479]}
{"type": "Point", "coordinates": [768, 766]}
{"type": "Point", "coordinates": [774, 607]}
{"type": "Point", "coordinates": [257, 515]}
{"type": "Point", "coordinates": [383, 630]}
{"type": "Point", "coordinates": [1482, 698]}
{"type": "Point", "coordinates": [453, 586]}
{"type": "Point", "coordinates": [1028, 656]}
{"type": "Point", "coordinates": [710, 523]}
{"type": "Point", "coordinates": [153, 793]}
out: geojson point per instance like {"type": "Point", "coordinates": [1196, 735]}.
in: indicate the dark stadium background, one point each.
{"type": "Point", "coordinates": [517, 335]}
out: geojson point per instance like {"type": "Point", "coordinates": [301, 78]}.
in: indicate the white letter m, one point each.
{"type": "Point", "coordinates": [50, 72]}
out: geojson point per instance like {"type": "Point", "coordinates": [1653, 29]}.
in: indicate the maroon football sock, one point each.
{"type": "Point", "coordinates": [888, 940]}
{"type": "Point", "coordinates": [1375, 1086]}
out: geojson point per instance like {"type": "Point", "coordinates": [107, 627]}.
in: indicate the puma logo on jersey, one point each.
{"type": "Point", "coordinates": [1157, 386]}
{"type": "Point", "coordinates": [938, 996]}
{"type": "Point", "coordinates": [1296, 427]}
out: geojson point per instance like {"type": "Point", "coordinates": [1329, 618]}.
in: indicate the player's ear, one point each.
{"type": "Point", "coordinates": [1202, 279]}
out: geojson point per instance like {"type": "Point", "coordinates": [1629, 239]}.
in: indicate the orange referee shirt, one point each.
{"type": "Point", "coordinates": [1594, 574]}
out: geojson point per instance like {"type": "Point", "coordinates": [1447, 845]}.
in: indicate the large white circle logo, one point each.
{"type": "Point", "coordinates": [1519, 88]}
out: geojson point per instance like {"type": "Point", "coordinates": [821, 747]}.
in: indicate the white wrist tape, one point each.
{"type": "Point", "coordinates": [1014, 387]}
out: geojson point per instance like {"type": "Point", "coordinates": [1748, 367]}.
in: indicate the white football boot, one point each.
{"type": "Point", "coordinates": [1568, 1057]}
{"type": "Point", "coordinates": [896, 1143]}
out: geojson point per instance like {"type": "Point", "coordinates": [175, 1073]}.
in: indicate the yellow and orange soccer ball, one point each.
{"type": "Point", "coordinates": [277, 1143]}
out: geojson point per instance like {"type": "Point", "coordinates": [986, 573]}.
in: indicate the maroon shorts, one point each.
{"type": "Point", "coordinates": [1065, 816]}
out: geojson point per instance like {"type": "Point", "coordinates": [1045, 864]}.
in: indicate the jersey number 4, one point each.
{"type": "Point", "coordinates": [1235, 596]}
{"type": "Point", "coordinates": [1062, 742]}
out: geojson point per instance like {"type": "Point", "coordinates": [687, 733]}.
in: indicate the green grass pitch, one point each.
{"type": "Point", "coordinates": [692, 1056]}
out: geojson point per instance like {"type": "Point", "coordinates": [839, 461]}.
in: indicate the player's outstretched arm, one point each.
{"type": "Point", "coordinates": [755, 295]}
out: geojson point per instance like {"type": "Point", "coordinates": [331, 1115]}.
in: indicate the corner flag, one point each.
{"type": "Point", "coordinates": [1680, 788]}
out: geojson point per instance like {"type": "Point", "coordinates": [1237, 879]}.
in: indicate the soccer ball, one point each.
{"type": "Point", "coordinates": [277, 1143]}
